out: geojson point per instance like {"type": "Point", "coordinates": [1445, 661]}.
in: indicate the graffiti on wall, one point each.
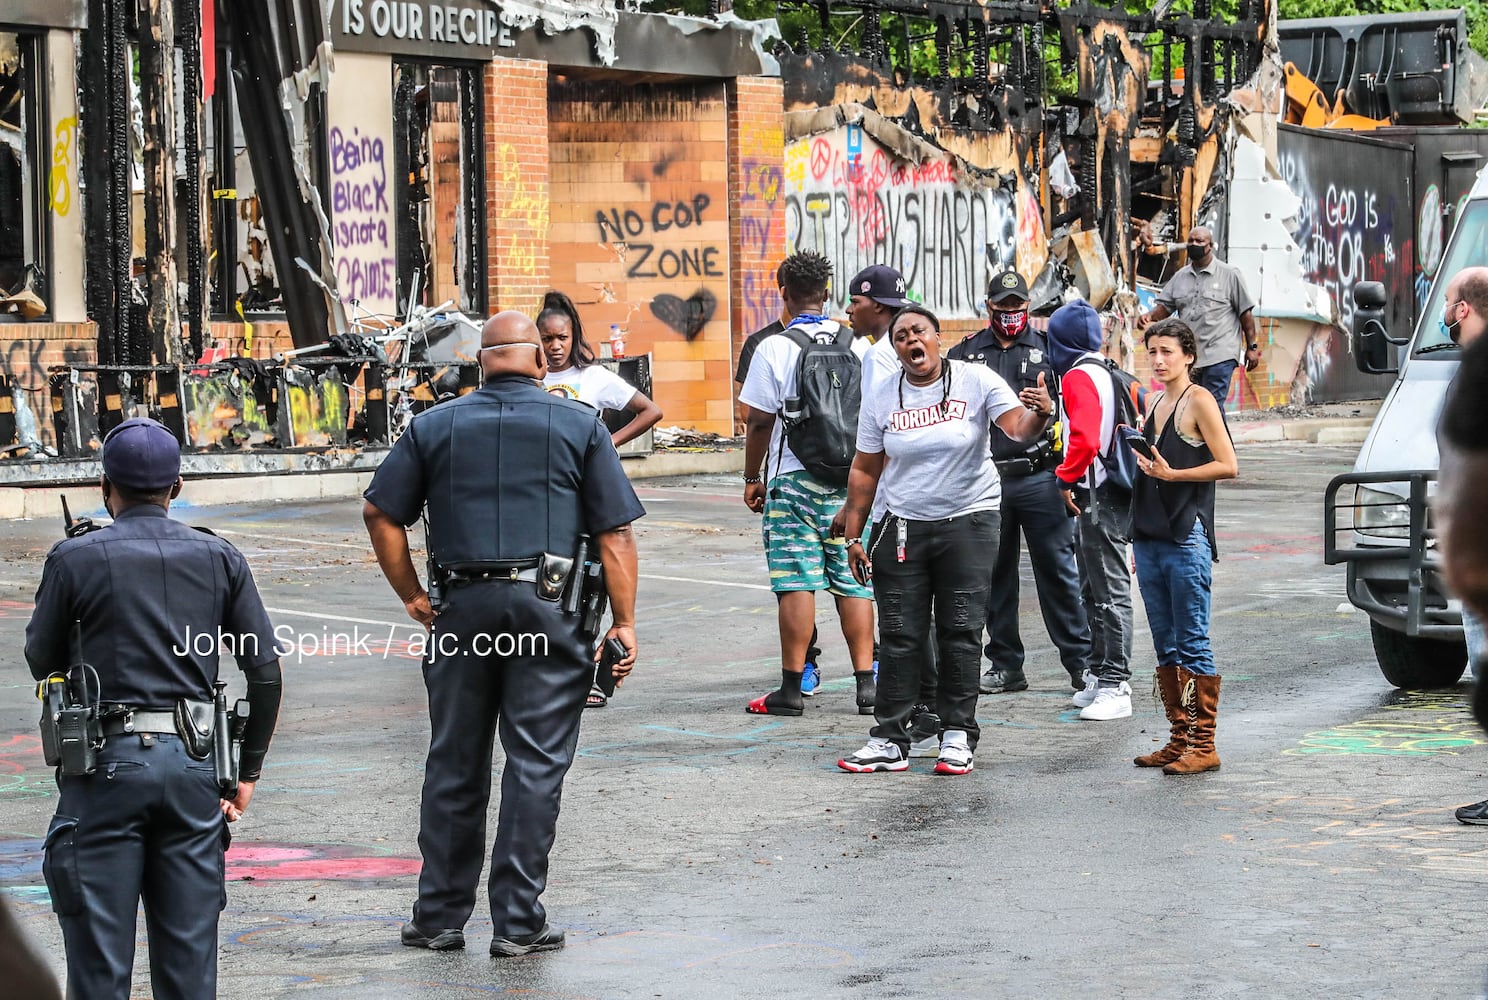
{"type": "Point", "coordinates": [362, 214]}
{"type": "Point", "coordinates": [642, 229]}
{"type": "Point", "coordinates": [1353, 225]}
{"type": "Point", "coordinates": [1355, 222]}
{"type": "Point", "coordinates": [26, 414]}
{"type": "Point", "coordinates": [761, 236]}
{"type": "Point", "coordinates": [851, 199]}
{"type": "Point", "coordinates": [59, 180]}
{"type": "Point", "coordinates": [523, 212]}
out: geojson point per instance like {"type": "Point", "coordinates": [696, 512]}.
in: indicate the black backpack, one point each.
{"type": "Point", "coordinates": [821, 420]}
{"type": "Point", "coordinates": [1130, 397]}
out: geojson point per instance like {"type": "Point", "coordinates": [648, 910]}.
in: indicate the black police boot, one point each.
{"type": "Point", "coordinates": [997, 681]}
{"type": "Point", "coordinates": [547, 939]}
{"type": "Point", "coordinates": [449, 939]}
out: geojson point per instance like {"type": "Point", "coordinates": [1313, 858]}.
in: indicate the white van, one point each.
{"type": "Point", "coordinates": [1378, 519]}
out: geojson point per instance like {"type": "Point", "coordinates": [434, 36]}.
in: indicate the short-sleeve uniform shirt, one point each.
{"type": "Point", "coordinates": [158, 602]}
{"type": "Point", "coordinates": [1211, 301]}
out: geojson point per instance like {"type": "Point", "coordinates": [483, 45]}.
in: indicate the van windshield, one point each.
{"type": "Point", "coordinates": [1469, 247]}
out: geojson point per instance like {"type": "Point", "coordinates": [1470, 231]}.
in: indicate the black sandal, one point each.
{"type": "Point", "coordinates": [596, 698]}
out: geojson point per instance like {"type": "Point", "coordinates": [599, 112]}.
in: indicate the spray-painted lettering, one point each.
{"type": "Point", "coordinates": [644, 260]}
{"type": "Point", "coordinates": [850, 199]}
{"type": "Point", "coordinates": [366, 269]}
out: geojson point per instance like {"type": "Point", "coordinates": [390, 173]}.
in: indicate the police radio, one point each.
{"type": "Point", "coordinates": [70, 732]}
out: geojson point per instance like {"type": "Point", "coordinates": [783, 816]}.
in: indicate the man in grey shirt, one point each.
{"type": "Point", "coordinates": [1210, 296]}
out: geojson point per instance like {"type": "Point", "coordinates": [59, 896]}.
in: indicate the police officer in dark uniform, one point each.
{"type": "Point", "coordinates": [1030, 502]}
{"type": "Point", "coordinates": [512, 478]}
{"type": "Point", "coordinates": [148, 604]}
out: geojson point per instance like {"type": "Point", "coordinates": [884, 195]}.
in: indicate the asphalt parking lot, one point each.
{"type": "Point", "coordinates": [703, 852]}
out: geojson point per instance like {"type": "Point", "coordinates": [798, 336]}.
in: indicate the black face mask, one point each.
{"type": "Point", "coordinates": [1197, 252]}
{"type": "Point", "coordinates": [1010, 324]}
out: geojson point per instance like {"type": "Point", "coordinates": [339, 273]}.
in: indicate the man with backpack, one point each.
{"type": "Point", "coordinates": [1096, 479]}
{"type": "Point", "coordinates": [802, 392]}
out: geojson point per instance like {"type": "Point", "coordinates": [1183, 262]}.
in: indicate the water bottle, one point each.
{"type": "Point", "coordinates": [617, 341]}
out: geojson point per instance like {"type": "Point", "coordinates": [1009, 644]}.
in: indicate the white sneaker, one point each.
{"type": "Point", "coordinates": [1110, 703]}
{"type": "Point", "coordinates": [877, 755]}
{"type": "Point", "coordinates": [955, 754]}
{"type": "Point", "coordinates": [927, 747]}
{"type": "Point", "coordinates": [1084, 697]}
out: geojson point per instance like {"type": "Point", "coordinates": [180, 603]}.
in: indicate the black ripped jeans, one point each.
{"type": "Point", "coordinates": [948, 567]}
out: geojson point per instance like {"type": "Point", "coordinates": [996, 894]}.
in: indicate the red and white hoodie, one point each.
{"type": "Point", "coordinates": [1088, 400]}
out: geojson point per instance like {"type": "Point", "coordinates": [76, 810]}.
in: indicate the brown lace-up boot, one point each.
{"type": "Point", "coordinates": [1170, 684]}
{"type": "Point", "coordinates": [1203, 707]}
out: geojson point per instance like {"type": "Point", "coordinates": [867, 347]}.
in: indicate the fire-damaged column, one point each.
{"type": "Point", "coordinates": [517, 183]}
{"type": "Point", "coordinates": [158, 105]}
{"type": "Point", "coordinates": [756, 149]}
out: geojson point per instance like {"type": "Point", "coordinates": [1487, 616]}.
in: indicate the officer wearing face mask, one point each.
{"type": "Point", "coordinates": [1210, 296]}
{"type": "Point", "coordinates": [1030, 500]}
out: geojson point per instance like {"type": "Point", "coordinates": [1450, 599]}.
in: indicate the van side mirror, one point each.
{"type": "Point", "coordinates": [1371, 341]}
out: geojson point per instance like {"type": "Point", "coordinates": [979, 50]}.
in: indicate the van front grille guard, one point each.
{"type": "Point", "coordinates": [1411, 542]}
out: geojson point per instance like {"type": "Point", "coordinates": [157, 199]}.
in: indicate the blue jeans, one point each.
{"type": "Point", "coordinates": [1477, 643]}
{"type": "Point", "coordinates": [1216, 378]}
{"type": "Point", "coordinates": [1175, 581]}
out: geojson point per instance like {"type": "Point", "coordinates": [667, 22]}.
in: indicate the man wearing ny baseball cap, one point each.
{"type": "Point", "coordinates": [876, 293]}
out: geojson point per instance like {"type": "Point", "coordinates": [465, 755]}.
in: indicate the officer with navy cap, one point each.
{"type": "Point", "coordinates": [511, 478]}
{"type": "Point", "coordinates": [145, 603]}
{"type": "Point", "coordinates": [1030, 500]}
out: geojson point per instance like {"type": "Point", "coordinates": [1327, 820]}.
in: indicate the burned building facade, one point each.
{"type": "Point", "coordinates": [189, 225]}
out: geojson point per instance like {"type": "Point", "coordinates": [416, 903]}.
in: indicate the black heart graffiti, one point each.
{"type": "Point", "coordinates": [687, 316]}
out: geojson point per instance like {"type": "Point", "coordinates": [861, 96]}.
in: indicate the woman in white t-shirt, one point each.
{"type": "Point", "coordinates": [924, 447]}
{"type": "Point", "coordinates": [574, 374]}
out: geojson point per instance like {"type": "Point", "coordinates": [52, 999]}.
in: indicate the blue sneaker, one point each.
{"type": "Point", "coordinates": [810, 679]}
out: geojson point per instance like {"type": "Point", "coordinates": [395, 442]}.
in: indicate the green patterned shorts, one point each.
{"type": "Point", "coordinates": [797, 521]}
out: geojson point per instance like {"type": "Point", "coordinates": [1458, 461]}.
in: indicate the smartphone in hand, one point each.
{"type": "Point", "coordinates": [1139, 445]}
{"type": "Point", "coordinates": [604, 674]}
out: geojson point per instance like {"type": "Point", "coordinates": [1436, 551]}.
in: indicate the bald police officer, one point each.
{"type": "Point", "coordinates": [152, 602]}
{"type": "Point", "coordinates": [511, 477]}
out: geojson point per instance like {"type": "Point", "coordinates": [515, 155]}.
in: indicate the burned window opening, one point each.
{"type": "Point", "coordinates": [24, 194]}
{"type": "Point", "coordinates": [440, 193]}
{"type": "Point", "coordinates": [243, 275]}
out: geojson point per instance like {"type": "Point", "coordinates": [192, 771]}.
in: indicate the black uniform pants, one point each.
{"type": "Point", "coordinates": [146, 825]}
{"type": "Point", "coordinates": [947, 569]}
{"type": "Point", "coordinates": [503, 661]}
{"type": "Point", "coordinates": [1033, 505]}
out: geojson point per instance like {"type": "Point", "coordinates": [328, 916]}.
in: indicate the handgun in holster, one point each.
{"type": "Point", "coordinates": [436, 581]}
{"type": "Point", "coordinates": [585, 595]}
{"type": "Point", "coordinates": [227, 741]}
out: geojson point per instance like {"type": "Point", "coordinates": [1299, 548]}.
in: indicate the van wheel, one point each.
{"type": "Point", "coordinates": [1413, 663]}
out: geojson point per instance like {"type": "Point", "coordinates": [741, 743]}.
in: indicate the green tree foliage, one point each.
{"type": "Point", "coordinates": [801, 23]}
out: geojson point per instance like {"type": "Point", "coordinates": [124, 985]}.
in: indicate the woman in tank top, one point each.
{"type": "Point", "coordinates": [1188, 450]}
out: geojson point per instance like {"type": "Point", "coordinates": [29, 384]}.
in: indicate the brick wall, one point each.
{"type": "Point", "coordinates": [517, 188]}
{"type": "Point", "coordinates": [756, 207]}
{"type": "Point", "coordinates": [640, 231]}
